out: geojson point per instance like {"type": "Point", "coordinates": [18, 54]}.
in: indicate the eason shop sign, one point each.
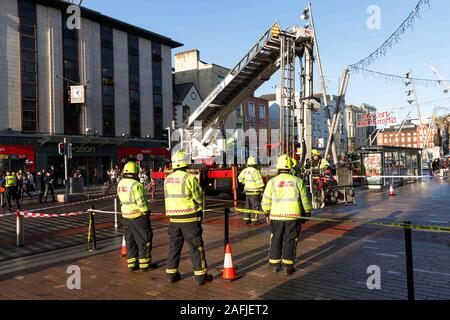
{"type": "Point", "coordinates": [84, 149]}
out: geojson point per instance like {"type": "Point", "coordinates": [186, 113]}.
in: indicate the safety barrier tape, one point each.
{"type": "Point", "coordinates": [27, 214]}
{"type": "Point", "coordinates": [363, 221]}
{"type": "Point", "coordinates": [7, 215]}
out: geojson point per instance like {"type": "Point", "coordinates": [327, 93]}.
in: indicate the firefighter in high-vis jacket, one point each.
{"type": "Point", "coordinates": [12, 192]}
{"type": "Point", "coordinates": [317, 161]}
{"type": "Point", "coordinates": [184, 204]}
{"type": "Point", "coordinates": [253, 186]}
{"type": "Point", "coordinates": [286, 201]}
{"type": "Point", "coordinates": [136, 219]}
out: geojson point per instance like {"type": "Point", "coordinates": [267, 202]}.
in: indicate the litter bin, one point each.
{"type": "Point", "coordinates": [76, 185]}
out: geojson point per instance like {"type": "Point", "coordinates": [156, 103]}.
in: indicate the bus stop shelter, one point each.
{"type": "Point", "coordinates": [382, 166]}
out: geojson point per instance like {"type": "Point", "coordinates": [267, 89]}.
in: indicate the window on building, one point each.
{"type": "Point", "coordinates": [108, 81]}
{"type": "Point", "coordinates": [239, 111]}
{"type": "Point", "coordinates": [28, 54]}
{"type": "Point", "coordinates": [250, 111]}
{"type": "Point", "coordinates": [157, 89]}
{"type": "Point", "coordinates": [262, 112]}
{"type": "Point", "coordinates": [72, 112]}
{"type": "Point", "coordinates": [134, 86]}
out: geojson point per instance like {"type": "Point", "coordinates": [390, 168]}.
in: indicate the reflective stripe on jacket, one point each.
{"type": "Point", "coordinates": [183, 197]}
{"type": "Point", "coordinates": [11, 181]}
{"type": "Point", "coordinates": [286, 198]}
{"type": "Point", "coordinates": [133, 198]}
{"type": "Point", "coordinates": [252, 180]}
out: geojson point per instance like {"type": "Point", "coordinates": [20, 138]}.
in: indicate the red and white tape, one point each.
{"type": "Point", "coordinates": [27, 214]}
{"type": "Point", "coordinates": [112, 212]}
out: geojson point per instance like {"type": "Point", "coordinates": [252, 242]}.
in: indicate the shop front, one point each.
{"type": "Point", "coordinates": [91, 160]}
{"type": "Point", "coordinates": [16, 157]}
{"type": "Point", "coordinates": [153, 159]}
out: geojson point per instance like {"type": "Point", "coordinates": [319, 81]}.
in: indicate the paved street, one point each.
{"type": "Point", "coordinates": [332, 258]}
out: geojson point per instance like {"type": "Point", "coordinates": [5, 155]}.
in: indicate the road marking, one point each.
{"type": "Point", "coordinates": [387, 255]}
{"type": "Point", "coordinates": [394, 272]}
{"type": "Point", "coordinates": [433, 272]}
{"type": "Point", "coordinates": [373, 248]}
{"type": "Point", "coordinates": [370, 241]}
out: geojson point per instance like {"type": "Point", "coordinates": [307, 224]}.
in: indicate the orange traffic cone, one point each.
{"type": "Point", "coordinates": [123, 250]}
{"type": "Point", "coordinates": [391, 190]}
{"type": "Point", "coordinates": [229, 272]}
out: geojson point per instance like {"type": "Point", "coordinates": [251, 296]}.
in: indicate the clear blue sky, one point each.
{"type": "Point", "coordinates": [224, 30]}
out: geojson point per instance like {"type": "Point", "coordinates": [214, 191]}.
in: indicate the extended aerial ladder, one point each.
{"type": "Point", "coordinates": [275, 50]}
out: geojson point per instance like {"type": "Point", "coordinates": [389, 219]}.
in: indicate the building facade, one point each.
{"type": "Point", "coordinates": [206, 76]}
{"type": "Point", "coordinates": [126, 73]}
{"type": "Point", "coordinates": [410, 136]}
{"type": "Point", "coordinates": [358, 137]}
{"type": "Point", "coordinates": [318, 121]}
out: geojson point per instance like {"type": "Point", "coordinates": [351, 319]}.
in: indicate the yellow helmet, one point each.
{"type": "Point", "coordinates": [315, 152]}
{"type": "Point", "coordinates": [131, 168]}
{"type": "Point", "coordinates": [251, 161]}
{"type": "Point", "coordinates": [284, 163]}
{"type": "Point", "coordinates": [179, 160]}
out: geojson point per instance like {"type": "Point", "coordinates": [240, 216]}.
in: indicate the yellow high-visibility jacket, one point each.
{"type": "Point", "coordinates": [286, 198]}
{"type": "Point", "coordinates": [133, 198]}
{"type": "Point", "coordinates": [252, 180]}
{"type": "Point", "coordinates": [183, 197]}
{"type": "Point", "coordinates": [11, 181]}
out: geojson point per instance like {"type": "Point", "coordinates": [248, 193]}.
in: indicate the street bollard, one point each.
{"type": "Point", "coordinates": [227, 227]}
{"type": "Point", "coordinates": [20, 235]}
{"type": "Point", "coordinates": [116, 225]}
{"type": "Point", "coordinates": [91, 231]}
{"type": "Point", "coordinates": [409, 261]}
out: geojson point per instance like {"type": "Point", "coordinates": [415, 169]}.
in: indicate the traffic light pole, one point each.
{"type": "Point", "coordinates": [65, 166]}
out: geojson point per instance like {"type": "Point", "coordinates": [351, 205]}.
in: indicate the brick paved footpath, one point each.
{"type": "Point", "coordinates": [332, 259]}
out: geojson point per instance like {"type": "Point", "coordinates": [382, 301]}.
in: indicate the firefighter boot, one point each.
{"type": "Point", "coordinates": [171, 278]}
{"type": "Point", "coordinates": [287, 271]}
{"type": "Point", "coordinates": [201, 280]}
{"type": "Point", "coordinates": [275, 268]}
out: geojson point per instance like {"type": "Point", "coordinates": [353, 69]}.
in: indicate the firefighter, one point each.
{"type": "Point", "coordinates": [253, 186]}
{"type": "Point", "coordinates": [184, 204]}
{"type": "Point", "coordinates": [136, 222]}
{"type": "Point", "coordinates": [12, 191]}
{"type": "Point", "coordinates": [285, 201]}
{"type": "Point", "coordinates": [317, 162]}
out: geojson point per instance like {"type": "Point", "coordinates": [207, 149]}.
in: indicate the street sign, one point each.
{"type": "Point", "coordinates": [77, 94]}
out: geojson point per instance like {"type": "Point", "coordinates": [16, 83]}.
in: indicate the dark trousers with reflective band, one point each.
{"type": "Point", "coordinates": [191, 232]}
{"type": "Point", "coordinates": [283, 242]}
{"type": "Point", "coordinates": [138, 235]}
{"type": "Point", "coordinates": [252, 202]}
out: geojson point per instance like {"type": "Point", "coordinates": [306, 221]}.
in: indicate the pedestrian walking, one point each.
{"type": "Point", "coordinates": [49, 181]}
{"type": "Point", "coordinates": [25, 187]}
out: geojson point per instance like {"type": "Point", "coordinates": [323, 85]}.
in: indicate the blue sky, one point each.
{"type": "Point", "coordinates": [224, 30]}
